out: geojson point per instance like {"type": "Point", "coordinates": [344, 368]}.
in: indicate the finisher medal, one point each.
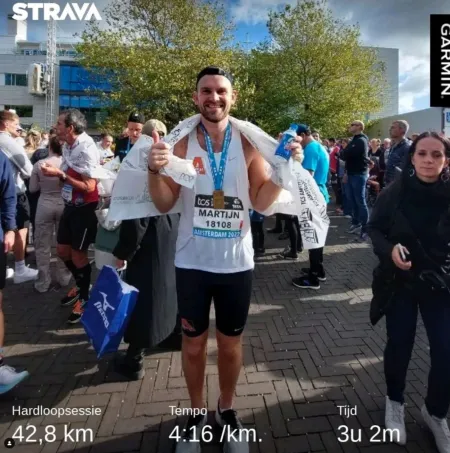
{"type": "Point", "coordinates": [218, 173]}
{"type": "Point", "coordinates": [218, 199]}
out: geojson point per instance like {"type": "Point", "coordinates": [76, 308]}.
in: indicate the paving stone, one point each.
{"type": "Point", "coordinates": [305, 354]}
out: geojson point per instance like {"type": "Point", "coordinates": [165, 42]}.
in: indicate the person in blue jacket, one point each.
{"type": "Point", "coordinates": [9, 377]}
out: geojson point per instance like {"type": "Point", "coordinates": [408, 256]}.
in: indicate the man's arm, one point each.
{"type": "Point", "coordinates": [8, 197]}
{"type": "Point", "coordinates": [405, 155]}
{"type": "Point", "coordinates": [18, 157]}
{"type": "Point", "coordinates": [395, 159]}
{"type": "Point", "coordinates": [163, 190]}
{"type": "Point", "coordinates": [86, 184]}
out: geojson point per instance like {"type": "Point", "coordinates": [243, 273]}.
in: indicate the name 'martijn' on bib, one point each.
{"type": "Point", "coordinates": [218, 216]}
{"type": "Point", "coordinates": [218, 223]}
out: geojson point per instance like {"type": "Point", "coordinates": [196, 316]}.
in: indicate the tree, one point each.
{"type": "Point", "coordinates": [314, 70]}
{"type": "Point", "coordinates": [152, 51]}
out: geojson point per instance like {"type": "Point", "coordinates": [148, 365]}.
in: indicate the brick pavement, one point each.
{"type": "Point", "coordinates": [305, 353]}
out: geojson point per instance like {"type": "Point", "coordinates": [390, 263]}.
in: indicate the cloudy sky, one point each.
{"type": "Point", "coordinates": [401, 24]}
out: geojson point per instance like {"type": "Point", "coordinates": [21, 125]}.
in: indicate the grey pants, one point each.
{"type": "Point", "coordinates": [49, 211]}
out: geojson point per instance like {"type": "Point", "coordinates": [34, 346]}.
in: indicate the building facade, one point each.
{"type": "Point", "coordinates": [433, 119]}
{"type": "Point", "coordinates": [390, 60]}
{"type": "Point", "coordinates": [17, 54]}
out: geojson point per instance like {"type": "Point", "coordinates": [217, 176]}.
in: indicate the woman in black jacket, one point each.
{"type": "Point", "coordinates": [410, 232]}
{"type": "Point", "coordinates": [148, 247]}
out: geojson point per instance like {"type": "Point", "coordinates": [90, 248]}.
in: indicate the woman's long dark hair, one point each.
{"type": "Point", "coordinates": [55, 146]}
{"type": "Point", "coordinates": [444, 140]}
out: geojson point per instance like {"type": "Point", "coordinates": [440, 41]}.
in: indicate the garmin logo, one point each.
{"type": "Point", "coordinates": [47, 11]}
{"type": "Point", "coordinates": [440, 60]}
{"type": "Point", "coordinates": [445, 60]}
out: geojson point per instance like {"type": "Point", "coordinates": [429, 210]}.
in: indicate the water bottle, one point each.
{"type": "Point", "coordinates": [286, 138]}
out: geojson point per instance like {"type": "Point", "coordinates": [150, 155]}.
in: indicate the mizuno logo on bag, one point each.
{"type": "Point", "coordinates": [102, 309]}
{"type": "Point", "coordinates": [105, 303]}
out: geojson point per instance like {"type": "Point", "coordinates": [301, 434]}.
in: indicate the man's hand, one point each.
{"type": "Point", "coordinates": [50, 170]}
{"type": "Point", "coordinates": [296, 149]}
{"type": "Point", "coordinates": [8, 241]}
{"type": "Point", "coordinates": [158, 156]}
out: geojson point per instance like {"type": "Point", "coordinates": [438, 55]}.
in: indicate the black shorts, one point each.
{"type": "Point", "coordinates": [78, 226]}
{"type": "Point", "coordinates": [231, 294]}
{"type": "Point", "coordinates": [22, 212]}
{"type": "Point", "coordinates": [2, 265]}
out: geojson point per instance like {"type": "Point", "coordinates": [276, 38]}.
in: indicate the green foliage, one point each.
{"type": "Point", "coordinates": [155, 48]}
{"type": "Point", "coordinates": [315, 71]}
{"type": "Point", "coordinates": [312, 70]}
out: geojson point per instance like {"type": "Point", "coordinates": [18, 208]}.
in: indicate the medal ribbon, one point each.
{"type": "Point", "coordinates": [217, 173]}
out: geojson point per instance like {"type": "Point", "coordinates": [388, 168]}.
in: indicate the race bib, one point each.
{"type": "Point", "coordinates": [218, 223]}
{"type": "Point", "coordinates": [66, 193]}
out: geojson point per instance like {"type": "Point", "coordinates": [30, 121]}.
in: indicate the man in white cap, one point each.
{"type": "Point", "coordinates": [155, 125]}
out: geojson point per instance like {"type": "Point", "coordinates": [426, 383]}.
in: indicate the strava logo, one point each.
{"type": "Point", "coordinates": [440, 60]}
{"type": "Point", "coordinates": [47, 11]}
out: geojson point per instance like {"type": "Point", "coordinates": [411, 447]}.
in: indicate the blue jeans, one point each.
{"type": "Point", "coordinates": [346, 199]}
{"type": "Point", "coordinates": [357, 199]}
{"type": "Point", "coordinates": [401, 321]}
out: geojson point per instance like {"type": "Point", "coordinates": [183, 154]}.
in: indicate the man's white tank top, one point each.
{"type": "Point", "coordinates": [216, 240]}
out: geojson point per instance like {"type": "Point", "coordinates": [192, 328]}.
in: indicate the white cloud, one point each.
{"type": "Point", "coordinates": [253, 12]}
{"type": "Point", "coordinates": [415, 84]}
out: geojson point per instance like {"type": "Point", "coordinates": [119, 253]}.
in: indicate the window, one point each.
{"type": "Point", "coordinates": [80, 102]}
{"type": "Point", "coordinates": [64, 101]}
{"type": "Point", "coordinates": [19, 80]}
{"type": "Point", "coordinates": [23, 111]}
{"type": "Point", "coordinates": [64, 78]}
{"type": "Point", "coordinates": [33, 52]}
{"type": "Point", "coordinates": [85, 101]}
{"type": "Point", "coordinates": [76, 78]}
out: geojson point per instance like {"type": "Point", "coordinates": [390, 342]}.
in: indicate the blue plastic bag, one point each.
{"type": "Point", "coordinates": [108, 311]}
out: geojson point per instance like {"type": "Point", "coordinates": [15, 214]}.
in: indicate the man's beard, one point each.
{"type": "Point", "coordinates": [214, 117]}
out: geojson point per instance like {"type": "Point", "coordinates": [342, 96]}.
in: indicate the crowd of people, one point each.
{"type": "Point", "coordinates": [180, 268]}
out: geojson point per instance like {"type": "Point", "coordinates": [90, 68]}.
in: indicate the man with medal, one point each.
{"type": "Point", "coordinates": [214, 252]}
